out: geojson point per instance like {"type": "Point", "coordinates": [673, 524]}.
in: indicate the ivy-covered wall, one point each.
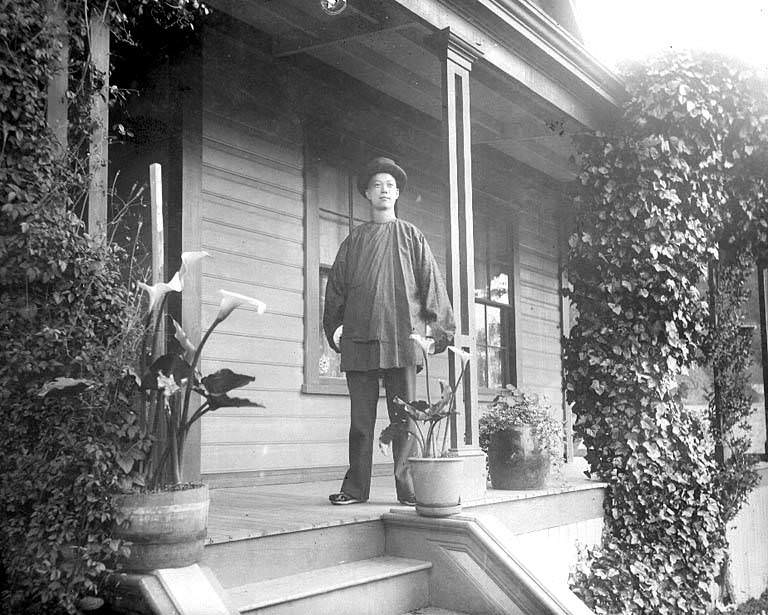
{"type": "Point", "coordinates": [671, 200]}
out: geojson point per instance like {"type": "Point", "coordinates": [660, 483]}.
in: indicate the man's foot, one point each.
{"type": "Point", "coordinates": [341, 499]}
{"type": "Point", "coordinates": [407, 501]}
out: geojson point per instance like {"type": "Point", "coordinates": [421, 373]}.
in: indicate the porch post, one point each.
{"type": "Point", "coordinates": [98, 154]}
{"type": "Point", "coordinates": [456, 58]}
{"type": "Point", "coordinates": [185, 188]}
{"type": "Point", "coordinates": [57, 87]}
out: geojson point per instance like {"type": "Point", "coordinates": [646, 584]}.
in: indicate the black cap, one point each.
{"type": "Point", "coordinates": [381, 165]}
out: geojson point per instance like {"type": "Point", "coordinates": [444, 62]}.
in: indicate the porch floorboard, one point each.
{"type": "Point", "coordinates": [240, 513]}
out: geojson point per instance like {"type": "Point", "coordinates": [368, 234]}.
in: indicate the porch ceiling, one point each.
{"type": "Point", "coordinates": [383, 45]}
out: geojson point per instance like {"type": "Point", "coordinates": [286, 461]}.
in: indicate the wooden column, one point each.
{"type": "Point", "coordinates": [98, 154]}
{"type": "Point", "coordinates": [57, 88]}
{"type": "Point", "coordinates": [762, 290]}
{"type": "Point", "coordinates": [456, 58]}
{"type": "Point", "coordinates": [184, 205]}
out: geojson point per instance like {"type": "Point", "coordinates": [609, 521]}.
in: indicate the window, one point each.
{"type": "Point", "coordinates": [333, 208]}
{"type": "Point", "coordinates": [494, 298]}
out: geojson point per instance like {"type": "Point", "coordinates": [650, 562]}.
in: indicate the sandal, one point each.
{"type": "Point", "coordinates": [341, 499]}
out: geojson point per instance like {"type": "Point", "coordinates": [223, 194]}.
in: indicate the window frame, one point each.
{"type": "Point", "coordinates": [314, 383]}
{"type": "Point", "coordinates": [512, 268]}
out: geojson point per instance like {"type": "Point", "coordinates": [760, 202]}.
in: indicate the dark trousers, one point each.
{"type": "Point", "coordinates": [364, 396]}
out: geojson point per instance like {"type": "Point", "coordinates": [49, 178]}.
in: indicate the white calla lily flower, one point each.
{"type": "Point", "coordinates": [230, 301]}
{"type": "Point", "coordinates": [187, 260]}
{"type": "Point", "coordinates": [460, 354]}
{"type": "Point", "coordinates": [427, 344]}
{"type": "Point", "coordinates": [157, 291]}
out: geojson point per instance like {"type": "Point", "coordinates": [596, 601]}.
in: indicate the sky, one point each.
{"type": "Point", "coordinates": [616, 30]}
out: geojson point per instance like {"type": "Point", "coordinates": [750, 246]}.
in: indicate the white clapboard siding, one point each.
{"type": "Point", "coordinates": [252, 225]}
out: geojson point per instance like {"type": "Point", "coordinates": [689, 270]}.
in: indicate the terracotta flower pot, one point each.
{"type": "Point", "coordinates": [515, 461]}
{"type": "Point", "coordinates": [437, 485]}
{"type": "Point", "coordinates": [167, 528]}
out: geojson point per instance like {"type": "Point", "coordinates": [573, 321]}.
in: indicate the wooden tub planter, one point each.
{"type": "Point", "coordinates": [437, 484]}
{"type": "Point", "coordinates": [515, 461]}
{"type": "Point", "coordinates": [167, 529]}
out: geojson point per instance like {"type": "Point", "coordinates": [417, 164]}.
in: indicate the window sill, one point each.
{"type": "Point", "coordinates": [325, 388]}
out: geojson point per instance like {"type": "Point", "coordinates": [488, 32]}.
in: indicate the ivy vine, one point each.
{"type": "Point", "coordinates": [64, 302]}
{"type": "Point", "coordinates": [673, 187]}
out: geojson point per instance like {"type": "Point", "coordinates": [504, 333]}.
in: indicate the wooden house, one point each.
{"type": "Point", "coordinates": [261, 129]}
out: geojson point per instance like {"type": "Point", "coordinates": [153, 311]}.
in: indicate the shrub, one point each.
{"type": "Point", "coordinates": [678, 180]}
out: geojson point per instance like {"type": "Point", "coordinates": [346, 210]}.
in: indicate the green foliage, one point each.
{"type": "Point", "coordinates": [421, 419]}
{"type": "Point", "coordinates": [514, 407]}
{"type": "Point", "coordinates": [64, 314]}
{"type": "Point", "coordinates": [754, 606]}
{"type": "Point", "coordinates": [659, 196]}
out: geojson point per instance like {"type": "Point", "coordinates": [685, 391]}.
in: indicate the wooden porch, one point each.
{"type": "Point", "coordinates": [285, 549]}
{"type": "Point", "coordinates": [241, 513]}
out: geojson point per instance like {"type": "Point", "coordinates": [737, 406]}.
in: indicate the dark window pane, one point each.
{"type": "Point", "coordinates": [493, 315]}
{"type": "Point", "coordinates": [482, 367]}
{"type": "Point", "coordinates": [495, 368]}
{"type": "Point", "coordinates": [499, 284]}
{"type": "Point", "coordinates": [482, 338]}
{"type": "Point", "coordinates": [481, 280]}
{"type": "Point", "coordinates": [329, 364]}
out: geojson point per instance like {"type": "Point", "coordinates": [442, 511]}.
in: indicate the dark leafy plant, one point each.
{"type": "Point", "coordinates": [169, 381]}
{"type": "Point", "coordinates": [421, 419]}
{"type": "Point", "coordinates": [678, 179]}
{"type": "Point", "coordinates": [64, 302]}
{"type": "Point", "coordinates": [514, 407]}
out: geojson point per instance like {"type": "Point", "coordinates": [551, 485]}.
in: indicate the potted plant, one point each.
{"type": "Point", "coordinates": [436, 476]}
{"type": "Point", "coordinates": [163, 516]}
{"type": "Point", "coordinates": [522, 439]}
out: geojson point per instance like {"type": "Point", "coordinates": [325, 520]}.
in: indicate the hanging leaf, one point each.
{"type": "Point", "coordinates": [224, 381]}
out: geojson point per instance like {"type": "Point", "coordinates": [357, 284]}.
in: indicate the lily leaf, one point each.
{"type": "Point", "coordinates": [67, 386]}
{"type": "Point", "coordinates": [225, 380]}
{"type": "Point", "coordinates": [170, 364]}
{"type": "Point", "coordinates": [224, 401]}
{"type": "Point", "coordinates": [393, 431]}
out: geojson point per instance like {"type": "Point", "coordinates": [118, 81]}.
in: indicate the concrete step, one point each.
{"type": "Point", "coordinates": [434, 610]}
{"type": "Point", "coordinates": [259, 558]}
{"type": "Point", "coordinates": [382, 585]}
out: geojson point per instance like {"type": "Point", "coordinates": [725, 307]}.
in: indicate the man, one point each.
{"type": "Point", "coordinates": [384, 285]}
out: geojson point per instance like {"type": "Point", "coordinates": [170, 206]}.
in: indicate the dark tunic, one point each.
{"type": "Point", "coordinates": [385, 285]}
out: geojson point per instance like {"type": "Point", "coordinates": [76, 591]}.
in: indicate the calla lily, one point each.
{"type": "Point", "coordinates": [460, 354]}
{"type": "Point", "coordinates": [425, 343]}
{"type": "Point", "coordinates": [230, 301]}
{"type": "Point", "coordinates": [167, 385]}
{"type": "Point", "coordinates": [182, 338]}
{"type": "Point", "coordinates": [187, 260]}
{"type": "Point", "coordinates": [157, 291]}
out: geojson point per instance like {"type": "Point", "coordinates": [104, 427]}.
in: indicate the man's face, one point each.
{"type": "Point", "coordinates": [382, 192]}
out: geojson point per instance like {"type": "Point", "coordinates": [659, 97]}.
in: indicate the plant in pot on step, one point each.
{"type": "Point", "coordinates": [436, 476]}
{"type": "Point", "coordinates": [522, 438]}
{"type": "Point", "coordinates": [164, 517]}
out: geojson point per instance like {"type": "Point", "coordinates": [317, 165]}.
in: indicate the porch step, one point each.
{"type": "Point", "coordinates": [433, 610]}
{"type": "Point", "coordinates": [382, 585]}
{"type": "Point", "coordinates": [259, 558]}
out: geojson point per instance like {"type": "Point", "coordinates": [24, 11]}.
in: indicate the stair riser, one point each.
{"type": "Point", "coordinates": [268, 557]}
{"type": "Point", "coordinates": [392, 596]}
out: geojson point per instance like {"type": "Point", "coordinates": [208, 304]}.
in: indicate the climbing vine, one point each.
{"type": "Point", "coordinates": [662, 195]}
{"type": "Point", "coordinates": [64, 303]}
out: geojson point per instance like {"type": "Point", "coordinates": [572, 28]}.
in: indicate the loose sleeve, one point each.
{"type": "Point", "coordinates": [435, 304]}
{"type": "Point", "coordinates": [335, 296]}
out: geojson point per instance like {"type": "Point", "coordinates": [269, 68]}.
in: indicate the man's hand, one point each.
{"type": "Point", "coordinates": [337, 338]}
{"type": "Point", "coordinates": [385, 449]}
